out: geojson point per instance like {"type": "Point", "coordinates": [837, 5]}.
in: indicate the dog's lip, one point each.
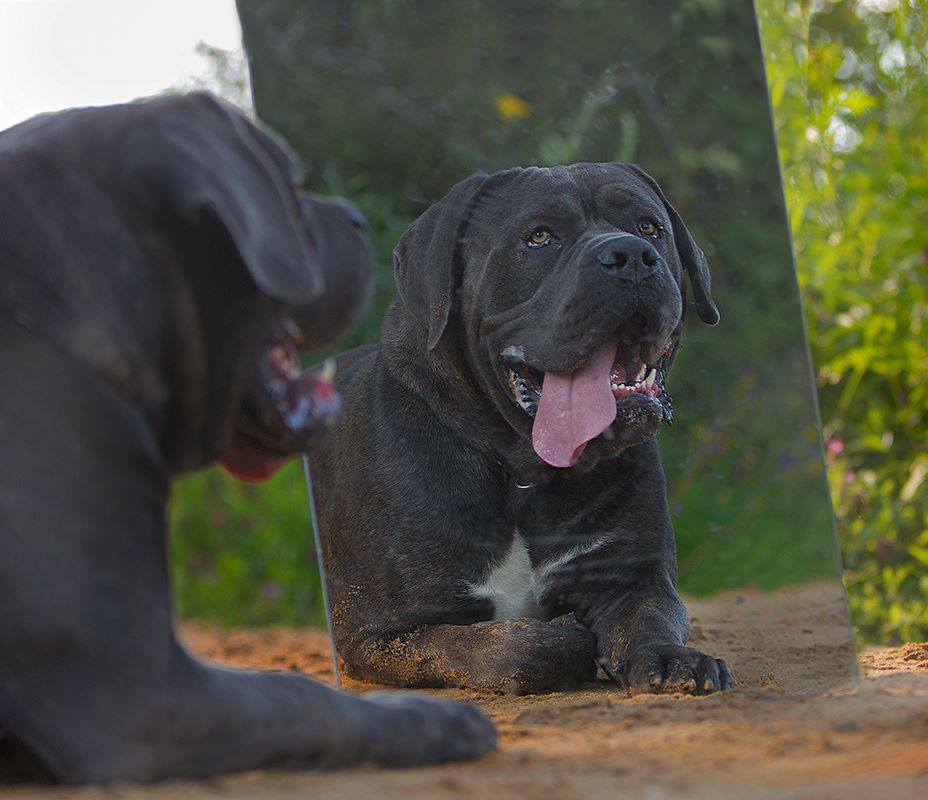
{"type": "Point", "coordinates": [301, 401]}
{"type": "Point", "coordinates": [512, 359]}
{"type": "Point", "coordinates": [645, 349]}
{"type": "Point", "coordinates": [287, 407]}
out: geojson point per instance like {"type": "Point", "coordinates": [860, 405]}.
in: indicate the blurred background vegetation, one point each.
{"type": "Point", "coordinates": [849, 81]}
{"type": "Point", "coordinates": [389, 102]}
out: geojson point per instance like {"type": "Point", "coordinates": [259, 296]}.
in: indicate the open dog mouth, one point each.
{"type": "Point", "coordinates": [617, 385]}
{"type": "Point", "coordinates": [284, 410]}
{"type": "Point", "coordinates": [525, 382]}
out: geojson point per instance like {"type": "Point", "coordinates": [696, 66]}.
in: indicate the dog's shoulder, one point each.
{"type": "Point", "coordinates": [351, 364]}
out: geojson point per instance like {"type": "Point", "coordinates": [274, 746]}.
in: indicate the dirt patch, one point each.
{"type": "Point", "coordinates": [794, 641]}
{"type": "Point", "coordinates": [781, 733]}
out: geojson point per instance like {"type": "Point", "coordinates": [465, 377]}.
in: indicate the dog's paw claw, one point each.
{"type": "Point", "coordinates": [671, 668]}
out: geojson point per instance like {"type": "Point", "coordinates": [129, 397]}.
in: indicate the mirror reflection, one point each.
{"type": "Point", "coordinates": [501, 501]}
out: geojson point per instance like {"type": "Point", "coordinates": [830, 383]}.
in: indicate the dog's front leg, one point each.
{"type": "Point", "coordinates": [207, 719]}
{"type": "Point", "coordinates": [641, 642]}
{"type": "Point", "coordinates": [620, 577]}
{"type": "Point", "coordinates": [92, 680]}
{"type": "Point", "coordinates": [625, 593]}
{"type": "Point", "coordinates": [93, 683]}
{"type": "Point", "coordinates": [513, 656]}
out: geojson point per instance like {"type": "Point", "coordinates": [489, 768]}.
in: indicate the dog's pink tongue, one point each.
{"type": "Point", "coordinates": [575, 407]}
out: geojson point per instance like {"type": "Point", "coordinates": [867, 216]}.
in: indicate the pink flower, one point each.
{"type": "Point", "coordinates": [834, 448]}
{"type": "Point", "coordinates": [271, 590]}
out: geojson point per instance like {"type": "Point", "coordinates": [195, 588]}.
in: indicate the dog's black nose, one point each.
{"type": "Point", "coordinates": [628, 256]}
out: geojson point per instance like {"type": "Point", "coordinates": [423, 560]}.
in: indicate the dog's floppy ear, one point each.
{"type": "Point", "coordinates": [206, 160]}
{"type": "Point", "coordinates": [693, 259]}
{"type": "Point", "coordinates": [425, 261]}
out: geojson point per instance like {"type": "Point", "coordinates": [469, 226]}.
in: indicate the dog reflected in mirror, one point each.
{"type": "Point", "coordinates": [492, 502]}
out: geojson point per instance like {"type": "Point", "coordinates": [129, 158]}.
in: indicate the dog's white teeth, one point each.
{"type": "Point", "coordinates": [615, 386]}
{"type": "Point", "coordinates": [327, 373]}
{"type": "Point", "coordinates": [294, 331]}
{"type": "Point", "coordinates": [649, 382]}
{"type": "Point", "coordinates": [640, 376]}
{"type": "Point", "coordinates": [522, 393]}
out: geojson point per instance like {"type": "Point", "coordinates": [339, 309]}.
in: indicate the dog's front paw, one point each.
{"type": "Point", "coordinates": [410, 729]}
{"type": "Point", "coordinates": [531, 656]}
{"type": "Point", "coordinates": [671, 668]}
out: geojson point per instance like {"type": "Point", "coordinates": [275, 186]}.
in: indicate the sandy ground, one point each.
{"type": "Point", "coordinates": [798, 725]}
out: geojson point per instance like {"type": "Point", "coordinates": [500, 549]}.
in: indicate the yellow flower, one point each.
{"type": "Point", "coordinates": [511, 107]}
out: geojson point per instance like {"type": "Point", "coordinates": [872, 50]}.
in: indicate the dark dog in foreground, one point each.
{"type": "Point", "coordinates": [492, 501]}
{"type": "Point", "coordinates": [158, 273]}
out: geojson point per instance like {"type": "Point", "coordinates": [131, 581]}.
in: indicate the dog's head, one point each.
{"type": "Point", "coordinates": [567, 286]}
{"type": "Point", "coordinates": [269, 272]}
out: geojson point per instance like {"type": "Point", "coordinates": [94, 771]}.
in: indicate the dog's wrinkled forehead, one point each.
{"type": "Point", "coordinates": [444, 248]}
{"type": "Point", "coordinates": [575, 195]}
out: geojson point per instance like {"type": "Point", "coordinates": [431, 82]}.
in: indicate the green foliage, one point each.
{"type": "Point", "coordinates": [849, 82]}
{"type": "Point", "coordinates": [244, 555]}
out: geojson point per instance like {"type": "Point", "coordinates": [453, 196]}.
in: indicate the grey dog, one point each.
{"type": "Point", "coordinates": [492, 501]}
{"type": "Point", "coordinates": [158, 274]}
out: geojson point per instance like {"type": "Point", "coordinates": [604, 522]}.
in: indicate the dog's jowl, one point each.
{"type": "Point", "coordinates": [492, 500]}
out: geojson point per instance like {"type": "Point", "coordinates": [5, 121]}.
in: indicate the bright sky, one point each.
{"type": "Point", "coordinates": [60, 53]}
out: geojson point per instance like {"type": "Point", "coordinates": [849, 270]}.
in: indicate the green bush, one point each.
{"type": "Point", "coordinates": [849, 82]}
{"type": "Point", "coordinates": [244, 555]}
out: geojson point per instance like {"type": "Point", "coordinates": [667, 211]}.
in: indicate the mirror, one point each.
{"type": "Point", "coordinates": [391, 104]}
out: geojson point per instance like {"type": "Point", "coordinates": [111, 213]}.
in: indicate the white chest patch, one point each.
{"type": "Point", "coordinates": [514, 586]}
{"type": "Point", "coordinates": [510, 586]}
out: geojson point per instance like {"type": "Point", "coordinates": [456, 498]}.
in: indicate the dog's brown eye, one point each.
{"type": "Point", "coordinates": [648, 228]}
{"type": "Point", "coordinates": [539, 237]}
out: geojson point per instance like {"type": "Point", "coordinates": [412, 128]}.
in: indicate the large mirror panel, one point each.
{"type": "Point", "coordinates": [392, 103]}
